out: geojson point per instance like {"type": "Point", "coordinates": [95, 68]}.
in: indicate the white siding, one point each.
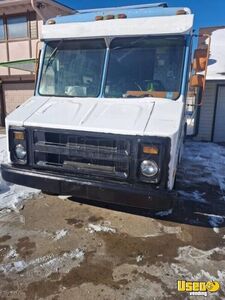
{"type": "Point", "coordinates": [207, 111]}
{"type": "Point", "coordinates": [219, 131]}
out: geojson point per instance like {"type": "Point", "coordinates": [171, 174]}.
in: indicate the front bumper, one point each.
{"type": "Point", "coordinates": [118, 193]}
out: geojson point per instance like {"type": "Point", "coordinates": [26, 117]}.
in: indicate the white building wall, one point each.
{"type": "Point", "coordinates": [207, 111]}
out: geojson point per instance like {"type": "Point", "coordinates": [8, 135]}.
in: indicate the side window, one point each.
{"type": "Point", "coordinates": [2, 32]}
{"type": "Point", "coordinates": [50, 71]}
{"type": "Point", "coordinates": [17, 27]}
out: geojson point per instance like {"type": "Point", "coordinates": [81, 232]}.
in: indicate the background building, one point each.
{"type": "Point", "coordinates": [211, 125]}
{"type": "Point", "coordinates": [20, 26]}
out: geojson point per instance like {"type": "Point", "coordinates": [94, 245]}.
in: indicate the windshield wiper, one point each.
{"type": "Point", "coordinates": [52, 56]}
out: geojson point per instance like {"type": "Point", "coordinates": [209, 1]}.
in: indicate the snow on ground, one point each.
{"type": "Point", "coordinates": [100, 228]}
{"type": "Point", "coordinates": [164, 213]}
{"type": "Point", "coordinates": [45, 265]}
{"type": "Point", "coordinates": [60, 234]}
{"type": "Point", "coordinates": [202, 163]}
{"type": "Point", "coordinates": [11, 195]}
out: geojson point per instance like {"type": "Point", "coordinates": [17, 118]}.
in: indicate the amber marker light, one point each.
{"type": "Point", "coordinates": [51, 22]}
{"type": "Point", "coordinates": [99, 18]}
{"type": "Point", "coordinates": [181, 12]}
{"type": "Point", "coordinates": [151, 150]}
{"type": "Point", "coordinates": [121, 16]}
{"type": "Point", "coordinates": [109, 17]}
{"type": "Point", "coordinates": [19, 135]}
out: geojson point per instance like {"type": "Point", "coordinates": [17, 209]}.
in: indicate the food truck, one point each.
{"type": "Point", "coordinates": [107, 119]}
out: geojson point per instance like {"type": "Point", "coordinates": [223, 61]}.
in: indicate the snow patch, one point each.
{"type": "Point", "coordinates": [193, 196]}
{"type": "Point", "coordinates": [60, 234]}
{"type": "Point", "coordinates": [139, 258]}
{"type": "Point", "coordinates": [100, 228]}
{"type": "Point", "coordinates": [216, 222]}
{"type": "Point", "coordinates": [189, 253]}
{"type": "Point", "coordinates": [202, 163]}
{"type": "Point", "coordinates": [164, 213]}
{"type": "Point", "coordinates": [12, 253]}
{"type": "Point", "coordinates": [45, 265]}
{"type": "Point", "coordinates": [170, 229]}
{"type": "Point", "coordinates": [62, 197]}
{"type": "Point", "coordinates": [216, 66]}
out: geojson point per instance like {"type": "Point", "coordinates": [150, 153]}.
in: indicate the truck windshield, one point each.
{"type": "Point", "coordinates": [145, 66]}
{"type": "Point", "coordinates": [137, 67]}
{"type": "Point", "coordinates": [73, 68]}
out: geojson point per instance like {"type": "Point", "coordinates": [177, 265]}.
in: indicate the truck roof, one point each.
{"type": "Point", "coordinates": [136, 20]}
{"type": "Point", "coordinates": [133, 11]}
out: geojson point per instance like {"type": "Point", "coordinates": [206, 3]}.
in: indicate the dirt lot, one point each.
{"type": "Point", "coordinates": [58, 249]}
{"type": "Point", "coordinates": [55, 248]}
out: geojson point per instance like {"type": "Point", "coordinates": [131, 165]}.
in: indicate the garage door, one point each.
{"type": "Point", "coordinates": [16, 93]}
{"type": "Point", "coordinates": [219, 129]}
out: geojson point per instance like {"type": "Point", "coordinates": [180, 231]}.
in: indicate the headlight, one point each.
{"type": "Point", "coordinates": [149, 168]}
{"type": "Point", "coordinates": [20, 151]}
{"type": "Point", "coordinates": [18, 145]}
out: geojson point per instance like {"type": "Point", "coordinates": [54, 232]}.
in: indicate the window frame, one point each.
{"type": "Point", "coordinates": [153, 37]}
{"type": "Point", "coordinates": [3, 27]}
{"type": "Point", "coordinates": [68, 96]}
{"type": "Point", "coordinates": [26, 23]}
{"type": "Point", "coordinates": [106, 64]}
{"type": "Point", "coordinates": [30, 16]}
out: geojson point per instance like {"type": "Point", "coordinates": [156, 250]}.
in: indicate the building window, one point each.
{"type": "Point", "coordinates": [2, 32]}
{"type": "Point", "coordinates": [17, 27]}
{"type": "Point", "coordinates": [33, 26]}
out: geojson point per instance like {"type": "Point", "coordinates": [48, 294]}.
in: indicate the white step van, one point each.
{"type": "Point", "coordinates": [107, 119]}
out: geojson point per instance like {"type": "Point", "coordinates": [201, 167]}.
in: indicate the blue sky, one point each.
{"type": "Point", "coordinates": [207, 12]}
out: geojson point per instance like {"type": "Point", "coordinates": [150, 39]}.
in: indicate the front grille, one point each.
{"type": "Point", "coordinates": [79, 153]}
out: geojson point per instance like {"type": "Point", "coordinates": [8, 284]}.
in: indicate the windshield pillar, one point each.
{"type": "Point", "coordinates": [104, 76]}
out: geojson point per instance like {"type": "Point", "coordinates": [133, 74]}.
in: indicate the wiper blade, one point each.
{"type": "Point", "coordinates": [52, 56]}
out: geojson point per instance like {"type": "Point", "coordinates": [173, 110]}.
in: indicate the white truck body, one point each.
{"type": "Point", "coordinates": [140, 117]}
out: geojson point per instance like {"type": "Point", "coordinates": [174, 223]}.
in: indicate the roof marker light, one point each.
{"type": "Point", "coordinates": [121, 16]}
{"type": "Point", "coordinates": [181, 12]}
{"type": "Point", "coordinates": [99, 18]}
{"type": "Point", "coordinates": [109, 17]}
{"type": "Point", "coordinates": [51, 22]}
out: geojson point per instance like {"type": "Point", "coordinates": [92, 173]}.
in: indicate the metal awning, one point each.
{"type": "Point", "coordinates": [24, 65]}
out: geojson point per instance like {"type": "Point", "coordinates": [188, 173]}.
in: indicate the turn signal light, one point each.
{"type": "Point", "coordinates": [151, 150]}
{"type": "Point", "coordinates": [19, 135]}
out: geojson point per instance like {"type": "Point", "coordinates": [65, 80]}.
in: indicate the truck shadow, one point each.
{"type": "Point", "coordinates": [200, 189]}
{"type": "Point", "coordinates": [183, 211]}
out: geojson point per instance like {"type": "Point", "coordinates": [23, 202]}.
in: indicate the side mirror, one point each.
{"type": "Point", "coordinates": [200, 60]}
{"type": "Point", "coordinates": [197, 80]}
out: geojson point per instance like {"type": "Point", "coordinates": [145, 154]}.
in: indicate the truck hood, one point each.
{"type": "Point", "coordinates": [147, 116]}
{"type": "Point", "coordinates": [111, 115]}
